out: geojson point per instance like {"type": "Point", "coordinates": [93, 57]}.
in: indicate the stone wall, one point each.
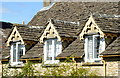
{"type": "Point", "coordinates": [9, 71]}
{"type": "Point", "coordinates": [0, 69]}
{"type": "Point", "coordinates": [112, 68]}
{"type": "Point", "coordinates": [97, 69]}
{"type": "Point", "coordinates": [40, 68]}
{"type": "Point", "coordinates": [119, 68]}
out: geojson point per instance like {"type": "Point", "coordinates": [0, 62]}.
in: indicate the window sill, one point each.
{"type": "Point", "coordinates": [16, 65]}
{"type": "Point", "coordinates": [51, 62]}
{"type": "Point", "coordinates": [50, 65]}
{"type": "Point", "coordinates": [92, 64]}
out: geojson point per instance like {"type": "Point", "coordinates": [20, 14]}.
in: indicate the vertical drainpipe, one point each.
{"type": "Point", "coordinates": [26, 61]}
{"type": "Point", "coordinates": [104, 64]}
{"type": "Point", "coordinates": [73, 59]}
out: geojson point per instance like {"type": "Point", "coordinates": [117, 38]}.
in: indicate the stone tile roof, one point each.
{"type": "Point", "coordinates": [108, 24]}
{"type": "Point", "coordinates": [74, 11]}
{"type": "Point", "coordinates": [5, 53]}
{"type": "Point", "coordinates": [66, 28]}
{"type": "Point", "coordinates": [27, 32]}
{"type": "Point", "coordinates": [30, 32]}
{"type": "Point", "coordinates": [5, 25]}
{"type": "Point", "coordinates": [113, 48]}
{"type": "Point", "coordinates": [71, 29]}
{"type": "Point", "coordinates": [75, 49]}
{"type": "Point", "coordinates": [71, 11]}
{"type": "Point", "coordinates": [35, 52]}
{"type": "Point", "coordinates": [5, 28]}
{"type": "Point", "coordinates": [78, 11]}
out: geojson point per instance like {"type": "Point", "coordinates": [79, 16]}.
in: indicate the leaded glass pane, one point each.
{"type": "Point", "coordinates": [49, 50]}
{"type": "Point", "coordinates": [90, 47]}
{"type": "Point", "coordinates": [14, 53]}
{"type": "Point", "coordinates": [96, 46]}
{"type": "Point", "coordinates": [20, 51]}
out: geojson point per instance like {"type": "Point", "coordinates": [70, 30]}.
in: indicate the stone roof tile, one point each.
{"type": "Point", "coordinates": [113, 48]}
{"type": "Point", "coordinates": [35, 52]}
{"type": "Point", "coordinates": [75, 49]}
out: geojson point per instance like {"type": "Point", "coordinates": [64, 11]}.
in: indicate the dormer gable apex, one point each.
{"type": "Point", "coordinates": [14, 36]}
{"type": "Point", "coordinates": [91, 28]}
{"type": "Point", "coordinates": [50, 32]}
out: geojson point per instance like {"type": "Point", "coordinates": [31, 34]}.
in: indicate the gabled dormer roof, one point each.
{"type": "Point", "coordinates": [76, 48]}
{"type": "Point", "coordinates": [66, 28]}
{"type": "Point", "coordinates": [100, 25]}
{"type": "Point", "coordinates": [60, 28]}
{"type": "Point", "coordinates": [30, 32]}
{"type": "Point", "coordinates": [14, 36]}
{"type": "Point", "coordinates": [24, 32]}
{"type": "Point", "coordinates": [91, 28]}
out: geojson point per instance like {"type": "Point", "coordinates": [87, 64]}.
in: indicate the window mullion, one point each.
{"type": "Point", "coordinates": [45, 51]}
{"type": "Point", "coordinates": [85, 49]}
{"type": "Point", "coordinates": [93, 47]}
{"type": "Point", "coordinates": [60, 47]}
{"type": "Point", "coordinates": [102, 45]}
{"type": "Point", "coordinates": [53, 50]}
{"type": "Point", "coordinates": [11, 53]}
{"type": "Point", "coordinates": [17, 52]}
{"type": "Point", "coordinates": [23, 48]}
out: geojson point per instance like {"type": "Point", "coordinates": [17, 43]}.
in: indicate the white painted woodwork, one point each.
{"type": "Point", "coordinates": [91, 27]}
{"type": "Point", "coordinates": [16, 47]}
{"type": "Point", "coordinates": [94, 45]}
{"type": "Point", "coordinates": [50, 32]}
{"type": "Point", "coordinates": [14, 36]}
{"type": "Point", "coordinates": [52, 47]}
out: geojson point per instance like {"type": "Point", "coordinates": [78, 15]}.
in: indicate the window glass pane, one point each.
{"type": "Point", "coordinates": [53, 48]}
{"type": "Point", "coordinates": [90, 47]}
{"type": "Point", "coordinates": [17, 51]}
{"type": "Point", "coordinates": [96, 46]}
{"type": "Point", "coordinates": [49, 50]}
{"type": "Point", "coordinates": [14, 53]}
{"type": "Point", "coordinates": [20, 51]}
{"type": "Point", "coordinates": [102, 45]}
{"type": "Point", "coordinates": [57, 47]}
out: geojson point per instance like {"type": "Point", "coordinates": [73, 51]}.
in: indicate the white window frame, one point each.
{"type": "Point", "coordinates": [101, 48]}
{"type": "Point", "coordinates": [12, 63]}
{"type": "Point", "coordinates": [53, 61]}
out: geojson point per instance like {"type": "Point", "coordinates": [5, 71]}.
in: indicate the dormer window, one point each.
{"type": "Point", "coordinates": [94, 45]}
{"type": "Point", "coordinates": [52, 48]}
{"type": "Point", "coordinates": [17, 50]}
